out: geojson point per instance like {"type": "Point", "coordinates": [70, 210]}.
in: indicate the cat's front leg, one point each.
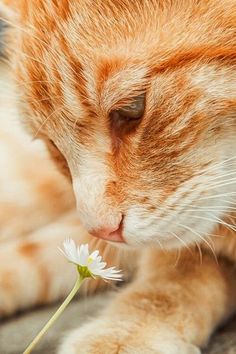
{"type": "Point", "coordinates": [121, 335]}
{"type": "Point", "coordinates": [167, 310]}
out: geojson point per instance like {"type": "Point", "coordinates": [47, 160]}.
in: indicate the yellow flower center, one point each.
{"type": "Point", "coordinates": [90, 260]}
{"type": "Point", "coordinates": [84, 272]}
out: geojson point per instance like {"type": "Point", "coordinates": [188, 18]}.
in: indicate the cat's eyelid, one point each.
{"type": "Point", "coordinates": [135, 109]}
{"type": "Point", "coordinates": [128, 102]}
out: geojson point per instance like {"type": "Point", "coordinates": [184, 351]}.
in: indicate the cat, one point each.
{"type": "Point", "coordinates": [136, 102]}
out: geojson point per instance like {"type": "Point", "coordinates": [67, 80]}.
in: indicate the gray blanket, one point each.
{"type": "Point", "coordinates": [2, 26]}
{"type": "Point", "coordinates": [17, 332]}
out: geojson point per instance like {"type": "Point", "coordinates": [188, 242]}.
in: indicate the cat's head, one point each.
{"type": "Point", "coordinates": [137, 102]}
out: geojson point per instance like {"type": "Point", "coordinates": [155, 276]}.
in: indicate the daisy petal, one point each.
{"type": "Point", "coordinates": [92, 264]}
{"type": "Point", "coordinates": [94, 254]}
{"type": "Point", "coordinates": [70, 250]}
{"type": "Point", "coordinates": [82, 255]}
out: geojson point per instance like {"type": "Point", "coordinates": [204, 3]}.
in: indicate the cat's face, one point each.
{"type": "Point", "coordinates": [138, 102]}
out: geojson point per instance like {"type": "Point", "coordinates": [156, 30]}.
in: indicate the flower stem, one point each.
{"type": "Point", "coordinates": [55, 316]}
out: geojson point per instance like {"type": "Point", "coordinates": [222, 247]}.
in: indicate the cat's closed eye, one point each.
{"type": "Point", "coordinates": [126, 118]}
{"type": "Point", "coordinates": [133, 111]}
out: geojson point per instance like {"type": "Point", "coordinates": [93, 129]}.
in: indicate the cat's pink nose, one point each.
{"type": "Point", "coordinates": [109, 233]}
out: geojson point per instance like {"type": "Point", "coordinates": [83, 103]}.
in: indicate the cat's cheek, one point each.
{"type": "Point", "coordinates": [136, 231]}
{"type": "Point", "coordinates": [58, 159]}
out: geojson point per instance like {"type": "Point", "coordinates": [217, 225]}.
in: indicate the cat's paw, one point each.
{"type": "Point", "coordinates": [115, 337]}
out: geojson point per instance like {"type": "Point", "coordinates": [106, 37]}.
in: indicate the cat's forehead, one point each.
{"type": "Point", "coordinates": [118, 19]}
{"type": "Point", "coordinates": [106, 52]}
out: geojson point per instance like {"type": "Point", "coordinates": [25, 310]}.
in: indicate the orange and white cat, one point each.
{"type": "Point", "coordinates": [136, 101]}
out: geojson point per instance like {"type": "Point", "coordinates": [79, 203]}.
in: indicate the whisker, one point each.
{"type": "Point", "coordinates": [177, 258]}
{"type": "Point", "coordinates": [222, 175]}
{"type": "Point", "coordinates": [217, 196]}
{"type": "Point", "coordinates": [222, 184]}
{"type": "Point", "coordinates": [216, 220]}
{"type": "Point", "coordinates": [225, 223]}
{"type": "Point", "coordinates": [218, 164]}
{"type": "Point", "coordinates": [44, 122]}
{"type": "Point", "coordinates": [55, 53]}
{"type": "Point", "coordinates": [160, 245]}
{"type": "Point", "coordinates": [224, 208]}
{"type": "Point", "coordinates": [202, 238]}
{"type": "Point", "coordinates": [181, 241]}
{"type": "Point", "coordinates": [32, 36]}
{"type": "Point", "coordinates": [200, 252]}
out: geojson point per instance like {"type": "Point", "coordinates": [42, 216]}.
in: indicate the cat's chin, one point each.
{"type": "Point", "coordinates": [169, 244]}
{"type": "Point", "coordinates": [134, 246]}
{"type": "Point", "coordinates": [121, 245]}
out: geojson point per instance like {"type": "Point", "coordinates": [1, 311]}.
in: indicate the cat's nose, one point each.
{"type": "Point", "coordinates": [97, 213]}
{"type": "Point", "coordinates": [109, 233]}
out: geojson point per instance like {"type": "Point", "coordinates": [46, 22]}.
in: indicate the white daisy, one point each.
{"type": "Point", "coordinates": [88, 265]}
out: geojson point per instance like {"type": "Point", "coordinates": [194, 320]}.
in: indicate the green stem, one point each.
{"type": "Point", "coordinates": [55, 316]}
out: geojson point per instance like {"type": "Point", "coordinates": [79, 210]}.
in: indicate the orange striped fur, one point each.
{"type": "Point", "coordinates": [171, 174]}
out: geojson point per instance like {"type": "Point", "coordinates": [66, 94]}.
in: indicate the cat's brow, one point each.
{"type": "Point", "coordinates": [199, 54]}
{"type": "Point", "coordinates": [119, 89]}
